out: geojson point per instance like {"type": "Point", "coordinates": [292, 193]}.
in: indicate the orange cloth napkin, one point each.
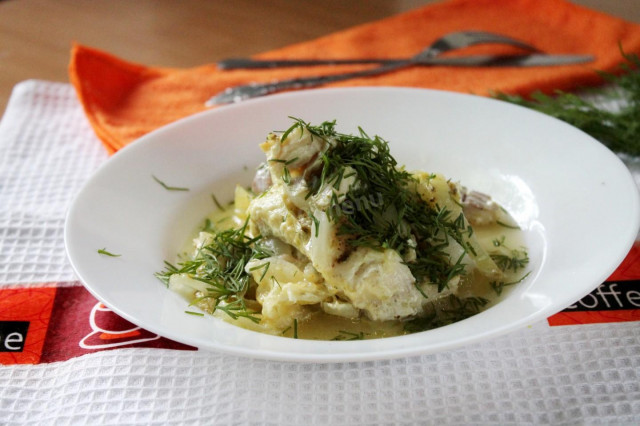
{"type": "Point", "coordinates": [124, 101]}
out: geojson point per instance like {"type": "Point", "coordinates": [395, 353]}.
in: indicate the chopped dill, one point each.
{"type": "Point", "coordinates": [398, 219]}
{"type": "Point", "coordinates": [275, 280]}
{"type": "Point", "coordinates": [514, 262]}
{"type": "Point", "coordinates": [107, 253]}
{"type": "Point", "coordinates": [498, 242]}
{"type": "Point", "coordinates": [469, 231]}
{"type": "Point", "coordinates": [221, 265]}
{"type": "Point", "coordinates": [455, 309]}
{"type": "Point", "coordinates": [498, 286]}
{"type": "Point", "coordinates": [238, 309]}
{"type": "Point", "coordinates": [349, 335]}
{"type": "Point", "coordinates": [262, 265]}
{"type": "Point", "coordinates": [400, 216]}
{"type": "Point", "coordinates": [197, 314]}
{"type": "Point", "coordinates": [167, 187]}
{"type": "Point", "coordinates": [297, 124]}
{"type": "Point", "coordinates": [316, 224]}
{"type": "Point", "coordinates": [285, 162]}
{"type": "Point", "coordinates": [208, 226]}
{"type": "Point", "coordinates": [217, 203]}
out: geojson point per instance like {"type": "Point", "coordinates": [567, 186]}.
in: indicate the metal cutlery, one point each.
{"type": "Point", "coordinates": [451, 41]}
{"type": "Point", "coordinates": [427, 57]}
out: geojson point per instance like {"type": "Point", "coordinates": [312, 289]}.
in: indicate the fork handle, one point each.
{"type": "Point", "coordinates": [237, 93]}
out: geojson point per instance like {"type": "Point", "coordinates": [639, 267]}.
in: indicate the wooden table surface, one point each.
{"type": "Point", "coordinates": [36, 35]}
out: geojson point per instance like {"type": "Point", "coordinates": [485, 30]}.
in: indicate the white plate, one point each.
{"type": "Point", "coordinates": [576, 201]}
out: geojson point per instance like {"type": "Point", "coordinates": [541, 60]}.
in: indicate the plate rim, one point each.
{"type": "Point", "coordinates": [327, 357]}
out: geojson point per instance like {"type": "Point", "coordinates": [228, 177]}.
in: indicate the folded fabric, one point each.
{"type": "Point", "coordinates": [124, 101]}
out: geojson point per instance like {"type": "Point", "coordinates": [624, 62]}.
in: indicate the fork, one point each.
{"type": "Point", "coordinates": [451, 41]}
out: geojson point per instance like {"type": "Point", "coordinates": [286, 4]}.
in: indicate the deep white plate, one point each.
{"type": "Point", "coordinates": [575, 200]}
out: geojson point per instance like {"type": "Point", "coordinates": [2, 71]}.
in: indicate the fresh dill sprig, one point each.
{"type": "Point", "coordinates": [498, 286]}
{"type": "Point", "coordinates": [221, 265]}
{"type": "Point", "coordinates": [238, 309]}
{"type": "Point", "coordinates": [275, 280]}
{"type": "Point", "coordinates": [316, 224]}
{"type": "Point", "coordinates": [399, 218]}
{"type": "Point", "coordinates": [286, 175]}
{"type": "Point", "coordinates": [516, 260]}
{"type": "Point", "coordinates": [619, 131]}
{"type": "Point", "coordinates": [264, 266]}
{"type": "Point", "coordinates": [107, 253]}
{"type": "Point", "coordinates": [513, 260]}
{"type": "Point", "coordinates": [285, 162]}
{"type": "Point", "coordinates": [298, 123]}
{"type": "Point", "coordinates": [167, 187]}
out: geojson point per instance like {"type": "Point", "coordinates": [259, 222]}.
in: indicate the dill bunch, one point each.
{"type": "Point", "coordinates": [618, 130]}
{"type": "Point", "coordinates": [220, 264]}
{"type": "Point", "coordinates": [393, 215]}
{"type": "Point", "coordinates": [450, 310]}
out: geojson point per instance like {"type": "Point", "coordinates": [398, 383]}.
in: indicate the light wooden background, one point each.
{"type": "Point", "coordinates": [36, 35]}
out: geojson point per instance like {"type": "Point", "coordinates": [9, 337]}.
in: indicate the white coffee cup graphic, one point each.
{"type": "Point", "coordinates": [111, 331]}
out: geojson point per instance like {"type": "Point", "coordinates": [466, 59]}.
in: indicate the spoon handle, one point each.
{"type": "Point", "coordinates": [239, 93]}
{"type": "Point", "coordinates": [247, 63]}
